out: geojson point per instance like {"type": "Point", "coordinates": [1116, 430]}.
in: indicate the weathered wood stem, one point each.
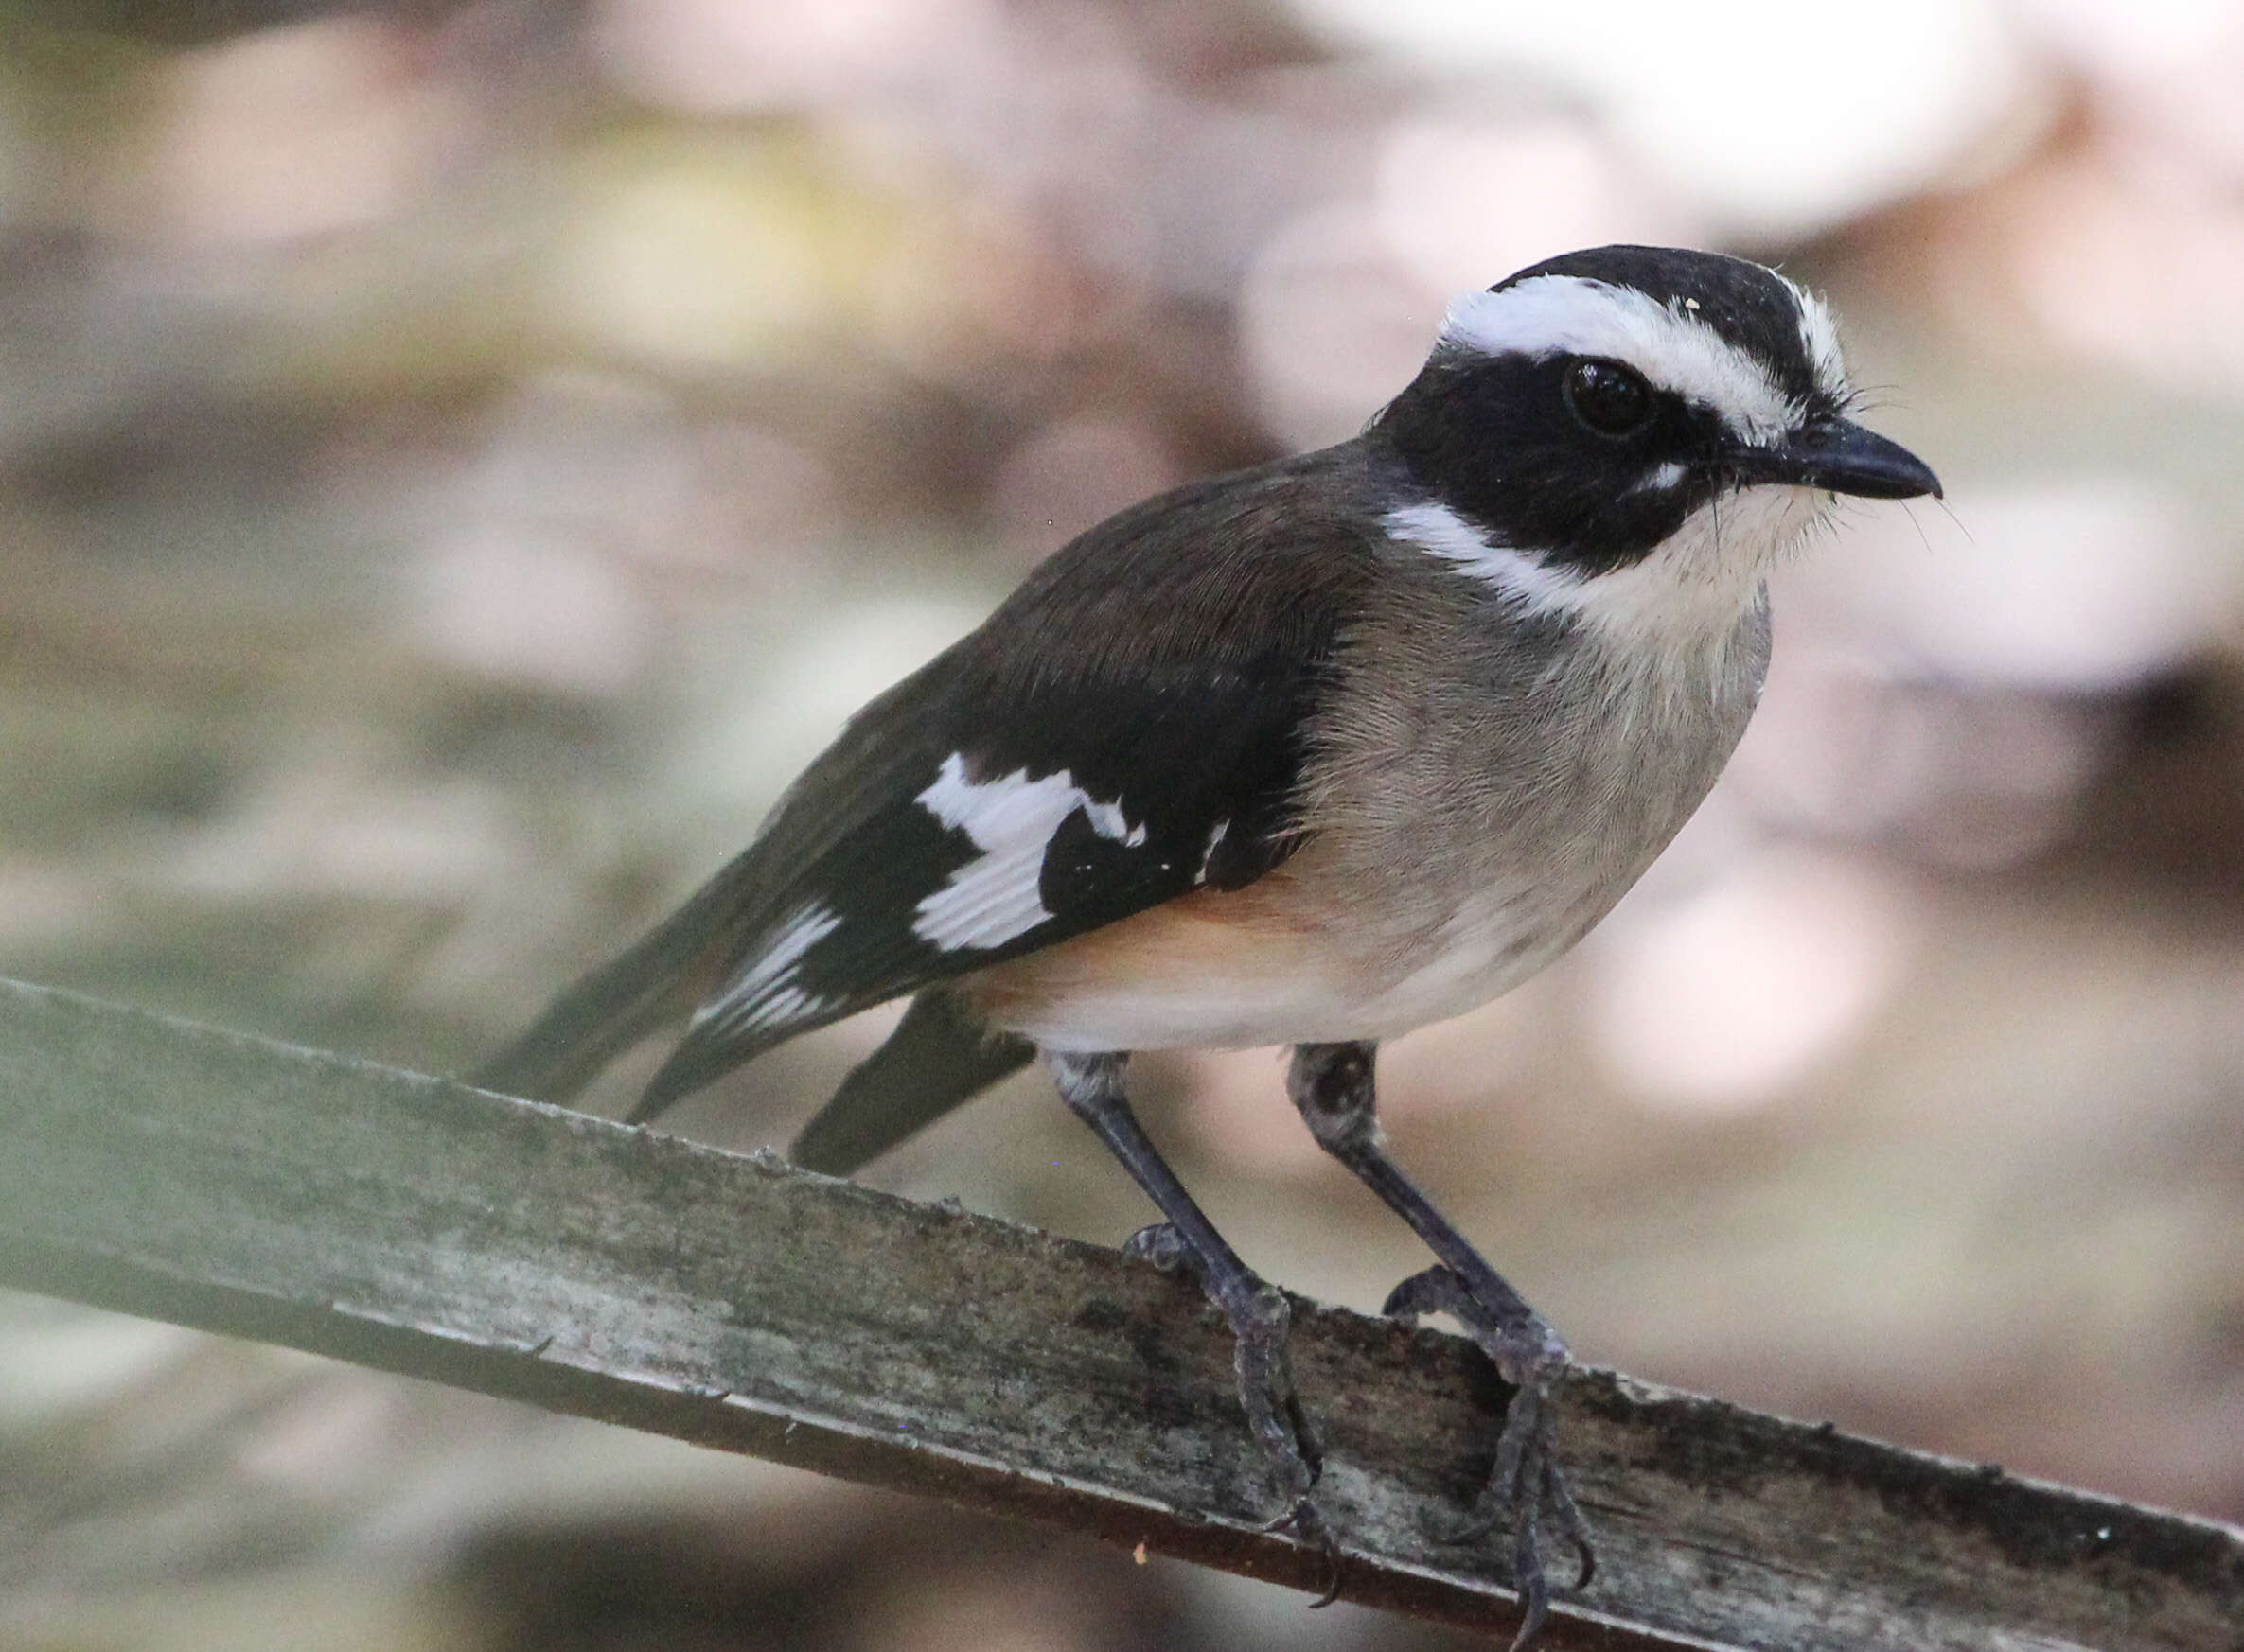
{"type": "Point", "coordinates": [409, 1223]}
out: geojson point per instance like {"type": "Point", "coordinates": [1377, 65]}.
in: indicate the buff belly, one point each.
{"type": "Point", "coordinates": [1261, 966]}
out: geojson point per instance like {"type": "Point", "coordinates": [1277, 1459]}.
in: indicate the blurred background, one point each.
{"type": "Point", "coordinates": [458, 458]}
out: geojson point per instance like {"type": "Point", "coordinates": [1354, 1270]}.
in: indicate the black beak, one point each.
{"type": "Point", "coordinates": [1840, 456]}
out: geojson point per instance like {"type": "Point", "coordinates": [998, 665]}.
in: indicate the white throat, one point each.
{"type": "Point", "coordinates": [1691, 591]}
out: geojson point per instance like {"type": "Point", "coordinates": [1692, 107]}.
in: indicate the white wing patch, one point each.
{"type": "Point", "coordinates": [993, 899]}
{"type": "Point", "coordinates": [1550, 315]}
{"type": "Point", "coordinates": [766, 994]}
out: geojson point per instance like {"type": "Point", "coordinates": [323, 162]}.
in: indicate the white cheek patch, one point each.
{"type": "Point", "coordinates": [1554, 315]}
{"type": "Point", "coordinates": [994, 897]}
{"type": "Point", "coordinates": [1539, 587]}
{"type": "Point", "coordinates": [1691, 591]}
{"type": "Point", "coordinates": [766, 994]}
{"type": "Point", "coordinates": [1216, 841]}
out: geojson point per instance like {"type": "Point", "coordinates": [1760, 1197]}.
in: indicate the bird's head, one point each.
{"type": "Point", "coordinates": [1634, 433]}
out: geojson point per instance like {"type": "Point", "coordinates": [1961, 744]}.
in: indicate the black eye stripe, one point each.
{"type": "Point", "coordinates": [1606, 397]}
{"type": "Point", "coordinates": [1496, 439]}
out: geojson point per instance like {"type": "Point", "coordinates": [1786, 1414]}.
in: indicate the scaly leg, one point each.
{"type": "Point", "coordinates": [1332, 1084]}
{"type": "Point", "coordinates": [1092, 1087]}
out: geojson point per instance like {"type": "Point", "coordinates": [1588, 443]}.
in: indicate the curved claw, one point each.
{"type": "Point", "coordinates": [1307, 1524]}
{"type": "Point", "coordinates": [1527, 1569]}
{"type": "Point", "coordinates": [1260, 1317]}
{"type": "Point", "coordinates": [1526, 1484]}
{"type": "Point", "coordinates": [1572, 1527]}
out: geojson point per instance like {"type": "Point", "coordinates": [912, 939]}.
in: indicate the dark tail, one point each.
{"type": "Point", "coordinates": [937, 1058]}
{"type": "Point", "coordinates": [612, 1007]}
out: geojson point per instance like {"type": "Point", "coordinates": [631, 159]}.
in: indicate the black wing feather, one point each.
{"type": "Point", "coordinates": [936, 1059]}
{"type": "Point", "coordinates": [1169, 663]}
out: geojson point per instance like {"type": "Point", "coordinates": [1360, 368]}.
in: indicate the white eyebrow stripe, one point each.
{"type": "Point", "coordinates": [1688, 595]}
{"type": "Point", "coordinates": [1549, 315]}
{"type": "Point", "coordinates": [1819, 337]}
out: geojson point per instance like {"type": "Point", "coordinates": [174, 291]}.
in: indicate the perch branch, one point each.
{"type": "Point", "coordinates": [405, 1222]}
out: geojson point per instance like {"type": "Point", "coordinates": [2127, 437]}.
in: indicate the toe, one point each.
{"type": "Point", "coordinates": [1307, 1524]}
{"type": "Point", "coordinates": [1161, 1245]}
{"type": "Point", "coordinates": [1434, 1290]}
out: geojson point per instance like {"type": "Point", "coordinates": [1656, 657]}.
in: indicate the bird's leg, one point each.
{"type": "Point", "coordinates": [1259, 1315]}
{"type": "Point", "coordinates": [1333, 1085]}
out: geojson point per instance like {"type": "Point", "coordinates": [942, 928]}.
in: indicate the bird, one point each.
{"type": "Point", "coordinates": [1309, 754]}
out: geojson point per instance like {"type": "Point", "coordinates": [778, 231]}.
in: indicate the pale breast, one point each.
{"type": "Point", "coordinates": [1473, 822]}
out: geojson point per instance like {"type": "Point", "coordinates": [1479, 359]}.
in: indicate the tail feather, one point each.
{"type": "Point", "coordinates": [611, 1008]}
{"type": "Point", "coordinates": [937, 1058]}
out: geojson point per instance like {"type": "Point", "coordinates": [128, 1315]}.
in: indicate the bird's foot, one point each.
{"type": "Point", "coordinates": [1260, 1317]}
{"type": "Point", "coordinates": [1527, 1485]}
{"type": "Point", "coordinates": [1164, 1247]}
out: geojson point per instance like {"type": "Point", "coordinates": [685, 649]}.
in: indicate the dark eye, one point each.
{"type": "Point", "coordinates": [1606, 397]}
